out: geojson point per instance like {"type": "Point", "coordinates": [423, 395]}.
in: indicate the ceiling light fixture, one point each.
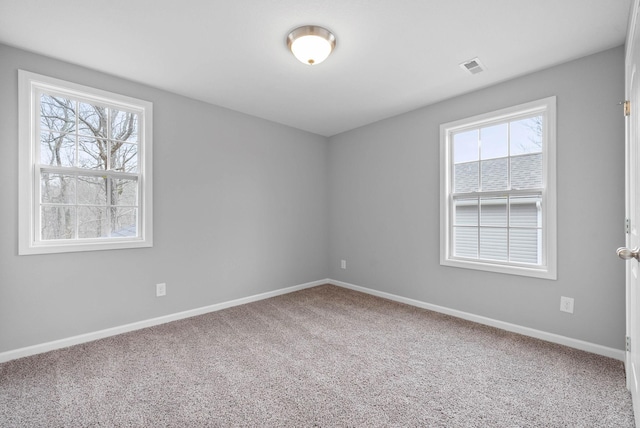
{"type": "Point", "coordinates": [311, 44]}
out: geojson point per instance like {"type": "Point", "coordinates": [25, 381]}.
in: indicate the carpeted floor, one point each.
{"type": "Point", "coordinates": [321, 357]}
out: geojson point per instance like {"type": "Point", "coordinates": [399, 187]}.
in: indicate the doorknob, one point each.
{"type": "Point", "coordinates": [626, 254]}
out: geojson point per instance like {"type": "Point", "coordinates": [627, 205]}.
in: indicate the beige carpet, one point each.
{"type": "Point", "coordinates": [321, 357]}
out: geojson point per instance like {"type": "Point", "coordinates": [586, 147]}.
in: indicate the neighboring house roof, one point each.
{"type": "Point", "coordinates": [526, 173]}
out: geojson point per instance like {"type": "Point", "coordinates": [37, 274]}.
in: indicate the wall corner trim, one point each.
{"type": "Point", "coordinates": [605, 351]}
{"type": "Point", "coordinates": [514, 328]}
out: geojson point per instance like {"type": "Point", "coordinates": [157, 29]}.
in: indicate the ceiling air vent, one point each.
{"type": "Point", "coordinates": [473, 66]}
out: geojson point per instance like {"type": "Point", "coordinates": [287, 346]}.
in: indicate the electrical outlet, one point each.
{"type": "Point", "coordinates": [161, 289]}
{"type": "Point", "coordinates": [566, 304]}
{"type": "Point", "coordinates": [343, 264]}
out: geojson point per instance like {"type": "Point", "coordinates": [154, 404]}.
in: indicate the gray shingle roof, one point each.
{"type": "Point", "coordinates": [526, 173]}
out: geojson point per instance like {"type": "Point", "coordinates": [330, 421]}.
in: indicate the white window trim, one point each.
{"type": "Point", "coordinates": [29, 84]}
{"type": "Point", "coordinates": [548, 268]}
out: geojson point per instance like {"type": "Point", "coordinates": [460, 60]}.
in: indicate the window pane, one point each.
{"type": "Point", "coordinates": [493, 244]}
{"type": "Point", "coordinates": [124, 126]}
{"type": "Point", "coordinates": [92, 190]}
{"type": "Point", "coordinates": [124, 222]}
{"type": "Point", "coordinates": [92, 222]}
{"type": "Point", "coordinates": [525, 246]}
{"type": "Point", "coordinates": [495, 174]}
{"type": "Point", "coordinates": [525, 211]}
{"type": "Point", "coordinates": [493, 212]}
{"type": "Point", "coordinates": [58, 222]}
{"type": "Point", "coordinates": [57, 149]}
{"type": "Point", "coordinates": [57, 188]}
{"type": "Point", "coordinates": [92, 120]}
{"type": "Point", "coordinates": [57, 114]}
{"type": "Point", "coordinates": [465, 242]}
{"type": "Point", "coordinates": [494, 142]}
{"type": "Point", "coordinates": [465, 146]}
{"type": "Point", "coordinates": [92, 153]}
{"type": "Point", "coordinates": [465, 212]}
{"type": "Point", "coordinates": [124, 157]}
{"type": "Point", "coordinates": [124, 192]}
{"type": "Point", "coordinates": [526, 171]}
{"type": "Point", "coordinates": [526, 136]}
{"type": "Point", "coordinates": [465, 177]}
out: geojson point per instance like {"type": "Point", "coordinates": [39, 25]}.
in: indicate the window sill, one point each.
{"type": "Point", "coordinates": [73, 247]}
{"type": "Point", "coordinates": [543, 272]}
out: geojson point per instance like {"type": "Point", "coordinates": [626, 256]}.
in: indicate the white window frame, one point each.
{"type": "Point", "coordinates": [548, 267]}
{"type": "Point", "coordinates": [30, 86]}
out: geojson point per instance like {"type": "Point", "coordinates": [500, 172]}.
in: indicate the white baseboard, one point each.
{"type": "Point", "coordinates": [514, 328]}
{"type": "Point", "coordinates": [526, 331]}
{"type": "Point", "coordinates": [89, 337]}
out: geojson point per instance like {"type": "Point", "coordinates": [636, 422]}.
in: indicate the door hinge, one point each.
{"type": "Point", "coordinates": [627, 226]}
{"type": "Point", "coordinates": [628, 344]}
{"type": "Point", "coordinates": [627, 108]}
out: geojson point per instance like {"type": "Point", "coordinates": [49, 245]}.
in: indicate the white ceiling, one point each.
{"type": "Point", "coordinates": [392, 56]}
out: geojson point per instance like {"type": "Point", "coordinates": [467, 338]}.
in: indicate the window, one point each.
{"type": "Point", "coordinates": [85, 168]}
{"type": "Point", "coordinates": [498, 202]}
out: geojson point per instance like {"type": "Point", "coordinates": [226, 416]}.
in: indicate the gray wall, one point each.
{"type": "Point", "coordinates": [270, 206]}
{"type": "Point", "coordinates": [239, 209]}
{"type": "Point", "coordinates": [384, 206]}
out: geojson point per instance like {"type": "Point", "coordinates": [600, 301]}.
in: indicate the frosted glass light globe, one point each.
{"type": "Point", "coordinates": [311, 50]}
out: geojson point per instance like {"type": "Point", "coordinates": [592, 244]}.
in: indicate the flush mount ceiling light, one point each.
{"type": "Point", "coordinates": [311, 44]}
